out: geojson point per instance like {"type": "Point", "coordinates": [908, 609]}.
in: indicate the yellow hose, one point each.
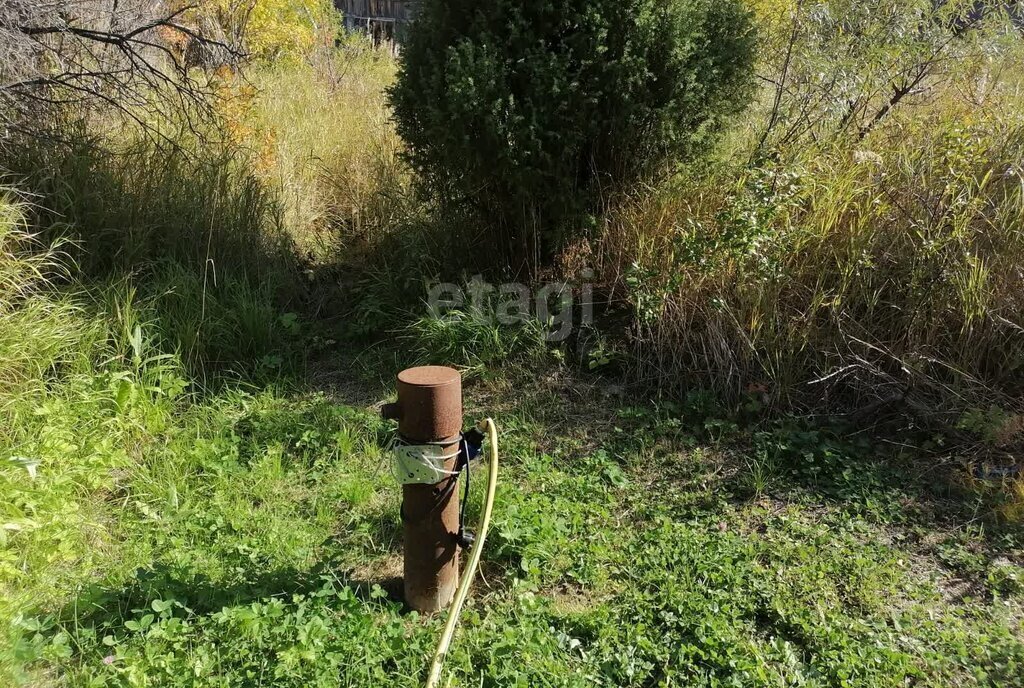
{"type": "Point", "coordinates": [474, 561]}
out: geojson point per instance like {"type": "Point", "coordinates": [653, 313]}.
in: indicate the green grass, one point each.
{"type": "Point", "coordinates": [474, 340]}
{"type": "Point", "coordinates": [257, 539]}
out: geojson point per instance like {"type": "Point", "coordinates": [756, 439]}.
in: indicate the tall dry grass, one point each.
{"type": "Point", "coordinates": [189, 229]}
{"type": "Point", "coordinates": [40, 331]}
{"type": "Point", "coordinates": [848, 273]}
{"type": "Point", "coordinates": [326, 141]}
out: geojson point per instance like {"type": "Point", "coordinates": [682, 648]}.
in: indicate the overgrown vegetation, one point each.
{"type": "Point", "coordinates": [859, 246]}
{"type": "Point", "coordinates": [848, 275]}
{"type": "Point", "coordinates": [527, 114]}
{"type": "Point", "coordinates": [194, 339]}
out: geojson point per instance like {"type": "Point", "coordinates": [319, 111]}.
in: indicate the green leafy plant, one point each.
{"type": "Point", "coordinates": [530, 112]}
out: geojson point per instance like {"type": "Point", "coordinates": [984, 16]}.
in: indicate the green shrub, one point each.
{"type": "Point", "coordinates": [527, 112]}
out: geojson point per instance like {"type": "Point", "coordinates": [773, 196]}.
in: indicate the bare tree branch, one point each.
{"type": "Point", "coordinates": [136, 57]}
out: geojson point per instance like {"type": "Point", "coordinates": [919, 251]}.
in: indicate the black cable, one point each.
{"type": "Point", "coordinates": [453, 482]}
{"type": "Point", "coordinates": [464, 537]}
{"type": "Point", "coordinates": [464, 458]}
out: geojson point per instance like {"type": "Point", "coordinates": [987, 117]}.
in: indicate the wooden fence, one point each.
{"type": "Point", "coordinates": [382, 20]}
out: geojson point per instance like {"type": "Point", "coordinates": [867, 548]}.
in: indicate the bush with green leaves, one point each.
{"type": "Point", "coordinates": [529, 113]}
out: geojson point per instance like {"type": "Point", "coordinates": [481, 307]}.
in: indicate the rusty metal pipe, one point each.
{"type": "Point", "coordinates": [429, 411]}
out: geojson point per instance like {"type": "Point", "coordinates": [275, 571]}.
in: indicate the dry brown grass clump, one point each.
{"type": "Point", "coordinates": [881, 270]}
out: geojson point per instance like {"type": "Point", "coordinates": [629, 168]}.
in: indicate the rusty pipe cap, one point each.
{"type": "Point", "coordinates": [430, 376]}
{"type": "Point", "coordinates": [429, 407]}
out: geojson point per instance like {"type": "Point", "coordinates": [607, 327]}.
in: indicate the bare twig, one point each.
{"type": "Point", "coordinates": [131, 56]}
